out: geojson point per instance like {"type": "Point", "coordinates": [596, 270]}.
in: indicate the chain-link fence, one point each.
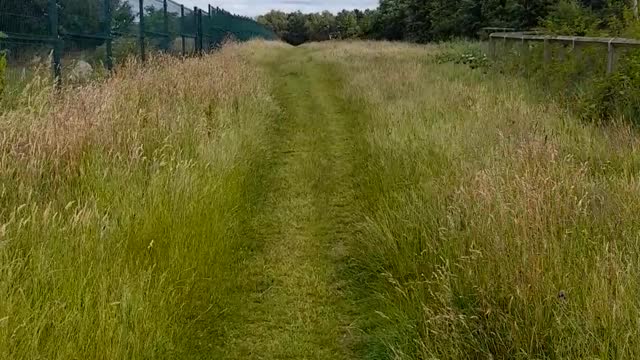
{"type": "Point", "coordinates": [80, 38]}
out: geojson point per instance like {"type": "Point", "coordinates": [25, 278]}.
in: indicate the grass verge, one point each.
{"type": "Point", "coordinates": [124, 209]}
{"type": "Point", "coordinates": [490, 225]}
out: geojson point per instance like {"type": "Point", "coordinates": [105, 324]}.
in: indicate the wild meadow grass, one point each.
{"type": "Point", "coordinates": [179, 210]}
{"type": "Point", "coordinates": [492, 225]}
{"type": "Point", "coordinates": [123, 206]}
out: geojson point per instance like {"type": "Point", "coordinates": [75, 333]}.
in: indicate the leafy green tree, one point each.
{"type": "Point", "coordinates": [155, 21]}
{"type": "Point", "coordinates": [392, 18]}
{"type": "Point", "coordinates": [276, 20]}
{"type": "Point", "coordinates": [367, 21]}
{"type": "Point", "coordinates": [347, 24]}
{"type": "Point", "coordinates": [569, 17]}
{"type": "Point", "coordinates": [296, 28]}
{"type": "Point", "coordinates": [122, 18]}
{"type": "Point", "coordinates": [23, 16]}
{"type": "Point", "coordinates": [321, 26]}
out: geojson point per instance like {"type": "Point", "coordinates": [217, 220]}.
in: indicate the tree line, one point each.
{"type": "Point", "coordinates": [436, 20]}
{"type": "Point", "coordinates": [297, 28]}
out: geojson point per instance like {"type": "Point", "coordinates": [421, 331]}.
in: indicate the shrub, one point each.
{"type": "Point", "coordinates": [122, 48]}
{"type": "Point", "coordinates": [569, 17]}
{"type": "Point", "coordinates": [617, 95]}
{"type": "Point", "coordinates": [467, 54]}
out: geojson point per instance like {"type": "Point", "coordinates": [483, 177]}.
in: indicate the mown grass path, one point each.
{"type": "Point", "coordinates": [297, 309]}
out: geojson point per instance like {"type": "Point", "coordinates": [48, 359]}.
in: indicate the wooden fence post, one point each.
{"type": "Point", "coordinates": [575, 50]}
{"type": "Point", "coordinates": [524, 54]}
{"type": "Point", "coordinates": [611, 57]}
{"type": "Point", "coordinates": [492, 48]}
{"type": "Point", "coordinates": [547, 52]}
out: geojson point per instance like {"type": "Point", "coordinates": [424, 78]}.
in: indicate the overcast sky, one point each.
{"type": "Point", "coordinates": [257, 7]}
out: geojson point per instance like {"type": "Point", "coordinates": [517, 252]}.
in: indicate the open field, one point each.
{"type": "Point", "coordinates": [332, 201]}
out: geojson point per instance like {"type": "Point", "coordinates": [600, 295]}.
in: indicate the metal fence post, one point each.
{"type": "Point", "coordinates": [197, 31]}
{"type": "Point", "coordinates": [107, 33]}
{"type": "Point", "coordinates": [210, 43]}
{"type": "Point", "coordinates": [56, 62]}
{"type": "Point", "coordinates": [182, 29]}
{"type": "Point", "coordinates": [200, 32]}
{"type": "Point", "coordinates": [141, 39]}
{"type": "Point", "coordinates": [492, 48]}
{"type": "Point", "coordinates": [165, 26]}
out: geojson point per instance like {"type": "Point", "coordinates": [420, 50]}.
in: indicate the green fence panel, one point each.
{"type": "Point", "coordinates": [80, 38]}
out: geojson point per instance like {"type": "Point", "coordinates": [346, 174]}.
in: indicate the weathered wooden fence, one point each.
{"type": "Point", "coordinates": [574, 41]}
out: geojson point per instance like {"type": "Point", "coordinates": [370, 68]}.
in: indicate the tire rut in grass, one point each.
{"type": "Point", "coordinates": [297, 309]}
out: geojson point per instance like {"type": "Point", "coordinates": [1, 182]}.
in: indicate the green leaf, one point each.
{"type": "Point", "coordinates": [3, 35]}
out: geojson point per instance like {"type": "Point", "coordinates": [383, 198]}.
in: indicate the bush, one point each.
{"type": "Point", "coordinates": [467, 54]}
{"type": "Point", "coordinates": [122, 49]}
{"type": "Point", "coordinates": [569, 17]}
{"type": "Point", "coordinates": [617, 95]}
{"type": "Point", "coordinates": [578, 79]}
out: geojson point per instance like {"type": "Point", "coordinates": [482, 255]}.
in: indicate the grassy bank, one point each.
{"type": "Point", "coordinates": [124, 205]}
{"type": "Point", "coordinates": [491, 225]}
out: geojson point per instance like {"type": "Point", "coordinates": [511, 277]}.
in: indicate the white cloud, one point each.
{"type": "Point", "coordinates": [257, 7]}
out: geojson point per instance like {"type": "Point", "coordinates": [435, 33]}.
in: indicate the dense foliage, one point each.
{"type": "Point", "coordinates": [297, 28]}
{"type": "Point", "coordinates": [578, 75]}
{"type": "Point", "coordinates": [435, 20]}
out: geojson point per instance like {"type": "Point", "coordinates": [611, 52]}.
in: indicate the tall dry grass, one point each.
{"type": "Point", "coordinates": [123, 205]}
{"type": "Point", "coordinates": [493, 226]}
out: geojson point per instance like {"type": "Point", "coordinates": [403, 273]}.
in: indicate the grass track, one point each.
{"type": "Point", "coordinates": [299, 310]}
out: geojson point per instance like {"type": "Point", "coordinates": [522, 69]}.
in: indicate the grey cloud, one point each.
{"type": "Point", "coordinates": [298, 2]}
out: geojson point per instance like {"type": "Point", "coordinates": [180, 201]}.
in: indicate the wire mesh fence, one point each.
{"type": "Point", "coordinates": [78, 38]}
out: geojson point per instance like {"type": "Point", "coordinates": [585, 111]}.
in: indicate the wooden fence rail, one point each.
{"type": "Point", "coordinates": [575, 41]}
